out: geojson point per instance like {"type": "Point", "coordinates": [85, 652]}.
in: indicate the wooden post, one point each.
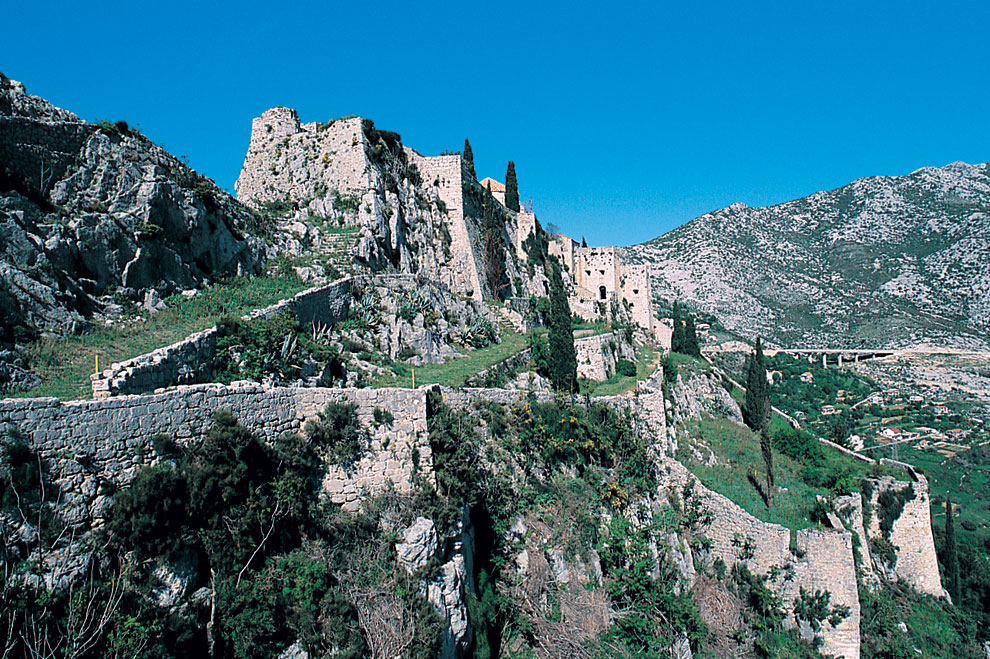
{"type": "Point", "coordinates": [96, 360]}
{"type": "Point", "coordinates": [414, 377]}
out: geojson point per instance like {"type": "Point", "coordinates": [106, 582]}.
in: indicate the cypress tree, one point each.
{"type": "Point", "coordinates": [951, 557]}
{"type": "Point", "coordinates": [691, 338]}
{"type": "Point", "coordinates": [469, 158]}
{"type": "Point", "coordinates": [563, 358]}
{"type": "Point", "coordinates": [511, 188]}
{"type": "Point", "coordinates": [766, 447]}
{"type": "Point", "coordinates": [584, 243]}
{"type": "Point", "coordinates": [756, 410]}
{"type": "Point", "coordinates": [677, 340]}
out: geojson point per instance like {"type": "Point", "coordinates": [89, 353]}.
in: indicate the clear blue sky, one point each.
{"type": "Point", "coordinates": [624, 120]}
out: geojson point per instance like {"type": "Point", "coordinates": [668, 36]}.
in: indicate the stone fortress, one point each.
{"type": "Point", "coordinates": [91, 443]}
{"type": "Point", "coordinates": [322, 168]}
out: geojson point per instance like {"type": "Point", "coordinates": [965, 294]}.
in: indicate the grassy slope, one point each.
{"type": "Point", "coordinates": [65, 364]}
{"type": "Point", "coordinates": [454, 372]}
{"type": "Point", "coordinates": [737, 450]}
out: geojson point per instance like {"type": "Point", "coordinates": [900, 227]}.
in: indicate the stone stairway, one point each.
{"type": "Point", "coordinates": [337, 251]}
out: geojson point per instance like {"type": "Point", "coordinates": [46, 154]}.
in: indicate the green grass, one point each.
{"type": "Point", "coordinates": [454, 372]}
{"type": "Point", "coordinates": [737, 450]}
{"type": "Point", "coordinates": [647, 360]}
{"type": "Point", "coordinates": [968, 483]}
{"type": "Point", "coordinates": [65, 364]}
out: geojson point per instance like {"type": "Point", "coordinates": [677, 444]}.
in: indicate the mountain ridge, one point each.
{"type": "Point", "coordinates": [883, 260]}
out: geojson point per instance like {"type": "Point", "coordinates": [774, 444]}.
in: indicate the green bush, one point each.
{"type": "Point", "coordinates": [151, 515]}
{"type": "Point", "coordinates": [337, 430]}
{"type": "Point", "coordinates": [625, 368]}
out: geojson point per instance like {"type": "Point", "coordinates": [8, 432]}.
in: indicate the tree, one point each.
{"type": "Point", "coordinates": [766, 448]}
{"type": "Point", "coordinates": [563, 358]}
{"type": "Point", "coordinates": [756, 409]}
{"type": "Point", "coordinates": [951, 556]}
{"type": "Point", "coordinates": [691, 338]}
{"type": "Point", "coordinates": [469, 158]}
{"type": "Point", "coordinates": [677, 340]}
{"type": "Point", "coordinates": [496, 273]}
{"type": "Point", "coordinates": [584, 243]}
{"type": "Point", "coordinates": [511, 188]}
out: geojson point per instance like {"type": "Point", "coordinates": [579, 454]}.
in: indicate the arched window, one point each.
{"type": "Point", "coordinates": [601, 292]}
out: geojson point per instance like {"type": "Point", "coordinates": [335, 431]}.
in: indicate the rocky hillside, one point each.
{"type": "Point", "coordinates": [883, 261]}
{"type": "Point", "coordinates": [89, 211]}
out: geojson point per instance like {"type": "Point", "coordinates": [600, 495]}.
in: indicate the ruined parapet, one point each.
{"type": "Point", "coordinates": [817, 560]}
{"type": "Point", "coordinates": [910, 534]}
{"type": "Point", "coordinates": [597, 356]}
{"type": "Point", "coordinates": [190, 361]}
{"type": "Point", "coordinates": [322, 167]}
{"type": "Point", "coordinates": [849, 510]}
{"type": "Point", "coordinates": [88, 442]}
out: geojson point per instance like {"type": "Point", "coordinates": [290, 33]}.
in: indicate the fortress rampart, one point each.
{"type": "Point", "coordinates": [190, 361]}
{"type": "Point", "coordinates": [88, 442]}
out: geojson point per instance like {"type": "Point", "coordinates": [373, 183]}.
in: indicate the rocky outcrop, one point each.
{"type": "Point", "coordinates": [88, 210]}
{"type": "Point", "coordinates": [416, 214]}
{"type": "Point", "coordinates": [446, 591]}
{"type": "Point", "coordinates": [696, 395]}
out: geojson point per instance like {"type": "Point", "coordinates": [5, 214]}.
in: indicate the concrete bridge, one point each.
{"type": "Point", "coordinates": [837, 357]}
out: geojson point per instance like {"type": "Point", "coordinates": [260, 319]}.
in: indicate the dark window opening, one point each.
{"type": "Point", "coordinates": [601, 292]}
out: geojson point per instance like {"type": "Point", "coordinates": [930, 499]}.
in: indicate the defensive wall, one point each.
{"type": "Point", "coordinates": [817, 560]}
{"type": "Point", "coordinates": [288, 160]}
{"type": "Point", "coordinates": [911, 535]}
{"type": "Point", "coordinates": [597, 356]}
{"type": "Point", "coordinates": [87, 444]}
{"type": "Point", "coordinates": [190, 361]}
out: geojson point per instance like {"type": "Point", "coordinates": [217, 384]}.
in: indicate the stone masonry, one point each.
{"type": "Point", "coordinates": [821, 560]}
{"type": "Point", "coordinates": [598, 355]}
{"type": "Point", "coordinates": [89, 442]}
{"type": "Point", "coordinates": [190, 361]}
{"type": "Point", "coordinates": [911, 534]}
{"type": "Point", "coordinates": [600, 278]}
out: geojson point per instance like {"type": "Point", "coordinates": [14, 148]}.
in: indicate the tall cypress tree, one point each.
{"type": "Point", "coordinates": [584, 243]}
{"type": "Point", "coordinates": [766, 448]}
{"type": "Point", "coordinates": [469, 158]}
{"type": "Point", "coordinates": [511, 188]}
{"type": "Point", "coordinates": [756, 409]}
{"type": "Point", "coordinates": [951, 557]}
{"type": "Point", "coordinates": [691, 346]}
{"type": "Point", "coordinates": [677, 340]}
{"type": "Point", "coordinates": [563, 358]}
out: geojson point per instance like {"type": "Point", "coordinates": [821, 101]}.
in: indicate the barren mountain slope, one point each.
{"type": "Point", "coordinates": [883, 261]}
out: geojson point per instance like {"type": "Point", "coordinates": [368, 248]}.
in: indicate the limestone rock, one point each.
{"type": "Point", "coordinates": [97, 208]}
{"type": "Point", "coordinates": [419, 545]}
{"type": "Point", "coordinates": [702, 394]}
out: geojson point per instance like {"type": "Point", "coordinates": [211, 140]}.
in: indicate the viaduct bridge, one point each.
{"type": "Point", "coordinates": [837, 357]}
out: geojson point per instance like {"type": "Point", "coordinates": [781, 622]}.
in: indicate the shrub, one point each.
{"type": "Point", "coordinates": [150, 515]}
{"type": "Point", "coordinates": [337, 430]}
{"type": "Point", "coordinates": [625, 368]}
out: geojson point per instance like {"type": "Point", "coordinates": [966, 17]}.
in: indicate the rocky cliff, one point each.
{"type": "Point", "coordinates": [92, 210]}
{"type": "Point", "coordinates": [884, 261]}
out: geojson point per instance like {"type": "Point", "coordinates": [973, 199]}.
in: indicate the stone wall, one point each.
{"type": "Point", "coordinates": [637, 294]}
{"type": "Point", "coordinates": [821, 560]}
{"type": "Point", "coordinates": [911, 534]}
{"type": "Point", "coordinates": [86, 444]}
{"type": "Point", "coordinates": [598, 355]}
{"type": "Point", "coordinates": [444, 176]}
{"type": "Point", "coordinates": [190, 361]}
